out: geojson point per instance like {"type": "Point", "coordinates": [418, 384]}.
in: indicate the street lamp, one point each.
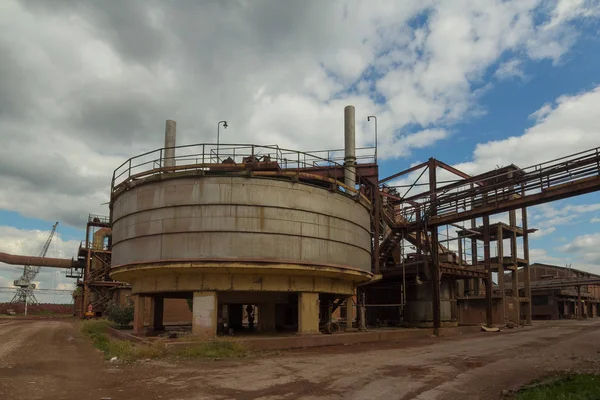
{"type": "Point", "coordinates": [369, 119]}
{"type": "Point", "coordinates": [218, 127]}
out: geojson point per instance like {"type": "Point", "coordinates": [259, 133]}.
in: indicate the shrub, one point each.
{"type": "Point", "coordinates": [120, 314]}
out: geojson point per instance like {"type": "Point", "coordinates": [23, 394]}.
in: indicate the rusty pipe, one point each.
{"type": "Point", "coordinates": [39, 261]}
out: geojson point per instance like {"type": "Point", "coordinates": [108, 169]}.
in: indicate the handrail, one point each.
{"type": "Point", "coordinates": [203, 157]}
{"type": "Point", "coordinates": [462, 199]}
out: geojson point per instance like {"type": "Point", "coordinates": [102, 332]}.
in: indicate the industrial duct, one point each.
{"type": "Point", "coordinates": [349, 147]}
{"type": "Point", "coordinates": [39, 261]}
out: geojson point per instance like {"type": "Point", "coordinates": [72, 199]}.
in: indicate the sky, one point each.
{"type": "Point", "coordinates": [478, 84]}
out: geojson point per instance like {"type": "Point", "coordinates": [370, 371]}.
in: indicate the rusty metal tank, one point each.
{"type": "Point", "coordinates": [232, 225]}
{"type": "Point", "coordinates": [243, 219]}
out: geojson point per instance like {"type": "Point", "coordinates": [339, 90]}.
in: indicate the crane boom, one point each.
{"type": "Point", "coordinates": [30, 272]}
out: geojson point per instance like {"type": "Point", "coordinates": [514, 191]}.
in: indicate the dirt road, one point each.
{"type": "Point", "coordinates": [50, 360]}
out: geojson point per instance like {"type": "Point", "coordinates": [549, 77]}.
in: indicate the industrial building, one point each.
{"type": "Point", "coordinates": [261, 238]}
{"type": "Point", "coordinates": [563, 292]}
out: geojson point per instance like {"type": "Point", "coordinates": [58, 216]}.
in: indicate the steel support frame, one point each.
{"type": "Point", "coordinates": [488, 268]}
{"type": "Point", "coordinates": [433, 251]}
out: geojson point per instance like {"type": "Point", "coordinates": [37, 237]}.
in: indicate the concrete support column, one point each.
{"type": "Point", "coordinates": [204, 313]}
{"type": "Point", "coordinates": [157, 306]}
{"type": "Point", "coordinates": [308, 313]}
{"type": "Point", "coordinates": [139, 305]}
{"type": "Point", "coordinates": [266, 317]}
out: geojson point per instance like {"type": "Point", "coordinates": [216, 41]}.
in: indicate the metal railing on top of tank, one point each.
{"type": "Point", "coordinates": [200, 156]}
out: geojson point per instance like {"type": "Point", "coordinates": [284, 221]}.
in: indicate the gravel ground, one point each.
{"type": "Point", "coordinates": [51, 360]}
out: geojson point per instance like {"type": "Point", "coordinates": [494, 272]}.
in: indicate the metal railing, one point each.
{"type": "Point", "coordinates": [493, 189]}
{"type": "Point", "coordinates": [207, 157]}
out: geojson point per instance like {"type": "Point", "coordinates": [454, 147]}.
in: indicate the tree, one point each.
{"type": "Point", "coordinates": [120, 314]}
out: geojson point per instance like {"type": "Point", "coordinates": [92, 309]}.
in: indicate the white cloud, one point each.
{"type": "Point", "coordinates": [585, 247]}
{"type": "Point", "coordinates": [567, 10]}
{"type": "Point", "coordinates": [595, 220]}
{"type": "Point", "coordinates": [29, 242]}
{"type": "Point", "coordinates": [95, 80]}
{"type": "Point", "coordinates": [566, 127]}
{"type": "Point", "coordinates": [548, 218]}
{"type": "Point", "coordinates": [510, 69]}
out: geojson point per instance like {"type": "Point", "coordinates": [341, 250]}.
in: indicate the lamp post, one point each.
{"type": "Point", "coordinates": [218, 128]}
{"type": "Point", "coordinates": [369, 119]}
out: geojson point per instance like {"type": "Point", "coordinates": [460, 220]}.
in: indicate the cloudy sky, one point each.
{"type": "Point", "coordinates": [478, 84]}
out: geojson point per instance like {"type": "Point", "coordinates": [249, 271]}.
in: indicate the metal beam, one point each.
{"type": "Point", "coordinates": [406, 171]}
{"type": "Point", "coordinates": [449, 168]}
{"type": "Point", "coordinates": [576, 188]}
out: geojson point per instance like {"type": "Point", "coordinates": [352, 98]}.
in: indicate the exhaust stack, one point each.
{"type": "Point", "coordinates": [349, 147]}
{"type": "Point", "coordinates": [170, 143]}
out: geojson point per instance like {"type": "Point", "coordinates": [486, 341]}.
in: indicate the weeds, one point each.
{"type": "Point", "coordinates": [213, 349]}
{"type": "Point", "coordinates": [128, 351]}
{"type": "Point", "coordinates": [96, 330]}
{"type": "Point", "coordinates": [570, 387]}
{"type": "Point", "coordinates": [122, 349]}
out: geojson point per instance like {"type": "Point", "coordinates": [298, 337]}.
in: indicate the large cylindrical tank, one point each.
{"type": "Point", "coordinates": [246, 221]}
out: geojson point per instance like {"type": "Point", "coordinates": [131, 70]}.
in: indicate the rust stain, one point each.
{"type": "Point", "coordinates": [261, 212]}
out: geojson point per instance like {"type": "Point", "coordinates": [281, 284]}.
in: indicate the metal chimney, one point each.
{"type": "Point", "coordinates": [349, 147]}
{"type": "Point", "coordinates": [170, 140]}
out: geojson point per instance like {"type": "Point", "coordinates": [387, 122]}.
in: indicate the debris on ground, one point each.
{"type": "Point", "coordinates": [492, 329]}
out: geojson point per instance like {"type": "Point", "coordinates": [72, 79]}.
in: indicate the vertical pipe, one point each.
{"type": "Point", "coordinates": [526, 271]}
{"type": "Point", "coordinates": [579, 306]}
{"type": "Point", "coordinates": [488, 269]}
{"type": "Point", "coordinates": [460, 251]}
{"type": "Point", "coordinates": [434, 250]}
{"type": "Point", "coordinates": [514, 260]}
{"type": "Point", "coordinates": [349, 147]}
{"type": "Point", "coordinates": [500, 251]}
{"type": "Point", "coordinates": [474, 283]}
{"type": "Point", "coordinates": [170, 140]}
{"type": "Point", "coordinates": [376, 227]}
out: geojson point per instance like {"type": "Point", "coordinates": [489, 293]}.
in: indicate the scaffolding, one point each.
{"type": "Point", "coordinates": [417, 212]}
{"type": "Point", "coordinates": [95, 255]}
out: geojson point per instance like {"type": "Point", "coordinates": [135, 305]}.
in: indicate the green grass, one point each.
{"type": "Point", "coordinates": [122, 349]}
{"type": "Point", "coordinates": [213, 349]}
{"type": "Point", "coordinates": [128, 351]}
{"type": "Point", "coordinates": [570, 387]}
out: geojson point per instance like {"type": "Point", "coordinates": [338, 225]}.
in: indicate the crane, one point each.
{"type": "Point", "coordinates": [25, 283]}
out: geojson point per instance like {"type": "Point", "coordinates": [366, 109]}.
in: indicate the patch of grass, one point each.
{"type": "Point", "coordinates": [213, 349]}
{"type": "Point", "coordinates": [96, 330]}
{"type": "Point", "coordinates": [128, 351]}
{"type": "Point", "coordinates": [122, 349]}
{"type": "Point", "coordinates": [570, 387]}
